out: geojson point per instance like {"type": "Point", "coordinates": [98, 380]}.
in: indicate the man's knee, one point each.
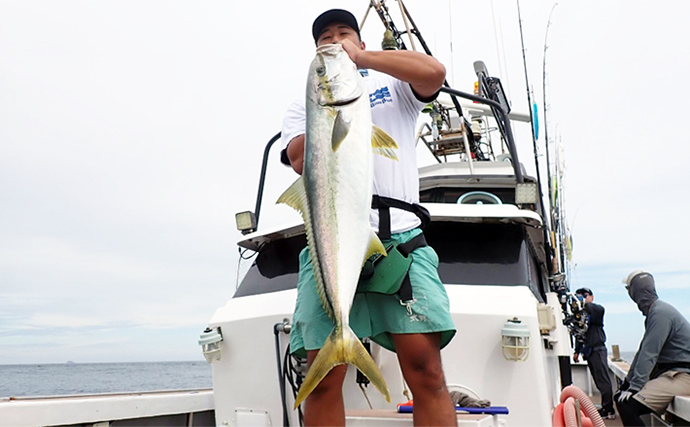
{"type": "Point", "coordinates": [424, 373]}
{"type": "Point", "coordinates": [630, 411]}
{"type": "Point", "coordinates": [429, 377]}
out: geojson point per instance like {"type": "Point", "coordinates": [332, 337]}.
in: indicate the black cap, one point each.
{"type": "Point", "coordinates": [583, 291]}
{"type": "Point", "coordinates": [330, 16]}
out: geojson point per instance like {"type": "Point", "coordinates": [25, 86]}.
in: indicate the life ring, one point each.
{"type": "Point", "coordinates": [565, 414]}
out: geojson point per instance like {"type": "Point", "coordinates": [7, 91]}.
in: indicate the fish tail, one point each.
{"type": "Point", "coordinates": [339, 349]}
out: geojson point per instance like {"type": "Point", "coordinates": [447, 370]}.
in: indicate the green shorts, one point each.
{"type": "Point", "coordinates": [376, 315]}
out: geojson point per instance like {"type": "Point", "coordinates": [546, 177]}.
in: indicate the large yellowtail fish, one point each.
{"type": "Point", "coordinates": [334, 196]}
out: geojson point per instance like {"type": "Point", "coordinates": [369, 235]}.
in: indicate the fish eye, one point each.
{"type": "Point", "coordinates": [321, 71]}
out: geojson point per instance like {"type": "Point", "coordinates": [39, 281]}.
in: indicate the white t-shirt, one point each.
{"type": "Point", "coordinates": [394, 108]}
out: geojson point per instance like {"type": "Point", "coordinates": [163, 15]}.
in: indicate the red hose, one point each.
{"type": "Point", "coordinates": [565, 414]}
{"type": "Point", "coordinates": [558, 417]}
{"type": "Point", "coordinates": [569, 412]}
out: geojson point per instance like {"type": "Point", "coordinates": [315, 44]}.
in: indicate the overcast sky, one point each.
{"type": "Point", "coordinates": [132, 132]}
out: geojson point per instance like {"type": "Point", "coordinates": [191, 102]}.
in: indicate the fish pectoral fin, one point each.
{"type": "Point", "coordinates": [375, 246]}
{"type": "Point", "coordinates": [383, 144]}
{"type": "Point", "coordinates": [341, 127]}
{"type": "Point", "coordinates": [341, 347]}
{"type": "Point", "coordinates": [295, 196]}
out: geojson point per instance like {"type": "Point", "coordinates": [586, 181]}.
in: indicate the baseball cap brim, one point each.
{"type": "Point", "coordinates": [330, 16]}
{"type": "Point", "coordinates": [630, 276]}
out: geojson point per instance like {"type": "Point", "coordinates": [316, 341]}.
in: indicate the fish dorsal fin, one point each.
{"type": "Point", "coordinates": [383, 144]}
{"type": "Point", "coordinates": [295, 196]}
{"type": "Point", "coordinates": [341, 127]}
{"type": "Point", "coordinates": [375, 246]}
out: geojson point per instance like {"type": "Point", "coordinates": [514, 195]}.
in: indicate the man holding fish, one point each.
{"type": "Point", "coordinates": [354, 137]}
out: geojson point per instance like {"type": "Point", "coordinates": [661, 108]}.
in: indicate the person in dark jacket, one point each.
{"type": "Point", "coordinates": [593, 350]}
{"type": "Point", "coordinates": [660, 370]}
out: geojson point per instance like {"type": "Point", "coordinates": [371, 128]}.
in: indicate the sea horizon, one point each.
{"type": "Point", "coordinates": [60, 379]}
{"type": "Point", "coordinates": [71, 362]}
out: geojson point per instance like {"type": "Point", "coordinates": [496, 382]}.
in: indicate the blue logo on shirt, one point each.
{"type": "Point", "coordinates": [380, 96]}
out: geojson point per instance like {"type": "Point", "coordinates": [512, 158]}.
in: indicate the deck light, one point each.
{"type": "Point", "coordinates": [246, 222]}
{"type": "Point", "coordinates": [515, 340]}
{"type": "Point", "coordinates": [526, 193]}
{"type": "Point", "coordinates": [210, 340]}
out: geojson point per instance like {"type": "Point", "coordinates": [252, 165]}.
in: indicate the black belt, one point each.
{"type": "Point", "coordinates": [660, 368]}
{"type": "Point", "coordinates": [383, 204]}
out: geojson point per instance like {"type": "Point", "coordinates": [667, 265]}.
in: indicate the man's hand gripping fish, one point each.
{"type": "Point", "coordinates": [334, 197]}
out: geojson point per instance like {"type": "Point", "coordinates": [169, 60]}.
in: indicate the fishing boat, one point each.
{"type": "Point", "coordinates": [504, 268]}
{"type": "Point", "coordinates": [504, 258]}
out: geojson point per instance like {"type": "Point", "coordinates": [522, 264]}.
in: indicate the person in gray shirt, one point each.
{"type": "Point", "coordinates": [661, 367]}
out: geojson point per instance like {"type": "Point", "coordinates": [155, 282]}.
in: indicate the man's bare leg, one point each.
{"type": "Point", "coordinates": [420, 359]}
{"type": "Point", "coordinates": [324, 406]}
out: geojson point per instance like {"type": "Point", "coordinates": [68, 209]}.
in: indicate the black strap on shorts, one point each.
{"type": "Point", "coordinates": [406, 249]}
{"type": "Point", "coordinates": [383, 204]}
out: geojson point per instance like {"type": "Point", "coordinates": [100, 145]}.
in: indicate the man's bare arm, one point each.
{"type": "Point", "coordinates": [423, 72]}
{"type": "Point", "coordinates": [295, 153]}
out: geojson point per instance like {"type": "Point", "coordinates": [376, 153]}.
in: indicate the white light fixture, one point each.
{"type": "Point", "coordinates": [526, 193]}
{"type": "Point", "coordinates": [246, 222]}
{"type": "Point", "coordinates": [210, 342]}
{"type": "Point", "coordinates": [515, 340]}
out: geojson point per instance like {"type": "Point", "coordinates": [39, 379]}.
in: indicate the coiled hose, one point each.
{"type": "Point", "coordinates": [565, 414]}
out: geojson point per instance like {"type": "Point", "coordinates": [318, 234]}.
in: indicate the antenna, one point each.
{"type": "Point", "coordinates": [500, 48]}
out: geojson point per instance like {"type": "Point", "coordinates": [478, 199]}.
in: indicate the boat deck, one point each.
{"type": "Point", "coordinates": [390, 417]}
{"type": "Point", "coordinates": [609, 423]}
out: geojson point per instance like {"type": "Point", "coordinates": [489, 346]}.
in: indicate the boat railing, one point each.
{"type": "Point", "coordinates": [501, 116]}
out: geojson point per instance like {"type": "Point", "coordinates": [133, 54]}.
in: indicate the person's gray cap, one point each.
{"type": "Point", "coordinates": [330, 16]}
{"type": "Point", "coordinates": [631, 276]}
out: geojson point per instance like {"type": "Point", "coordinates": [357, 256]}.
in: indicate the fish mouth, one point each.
{"type": "Point", "coordinates": [331, 48]}
{"type": "Point", "coordinates": [341, 102]}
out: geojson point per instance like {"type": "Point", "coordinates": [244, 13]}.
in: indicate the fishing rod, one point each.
{"type": "Point", "coordinates": [411, 29]}
{"type": "Point", "coordinates": [531, 115]}
{"type": "Point", "coordinates": [547, 217]}
{"type": "Point", "coordinates": [384, 15]}
{"type": "Point", "coordinates": [554, 193]}
{"type": "Point", "coordinates": [546, 109]}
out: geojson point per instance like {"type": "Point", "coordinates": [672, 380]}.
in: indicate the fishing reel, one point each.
{"type": "Point", "coordinates": [576, 319]}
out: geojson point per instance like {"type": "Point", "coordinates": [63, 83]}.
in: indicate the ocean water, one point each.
{"type": "Point", "coordinates": [628, 356]}
{"type": "Point", "coordinates": [86, 378]}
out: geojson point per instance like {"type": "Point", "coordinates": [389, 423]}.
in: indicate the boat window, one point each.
{"type": "Point", "coordinates": [484, 254]}
{"type": "Point", "coordinates": [469, 254]}
{"type": "Point", "coordinates": [275, 268]}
